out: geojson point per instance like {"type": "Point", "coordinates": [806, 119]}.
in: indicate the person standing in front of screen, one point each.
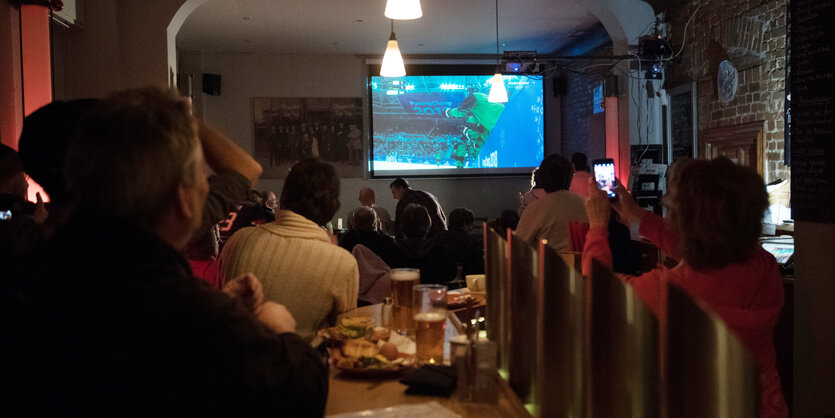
{"type": "Point", "coordinates": [404, 194]}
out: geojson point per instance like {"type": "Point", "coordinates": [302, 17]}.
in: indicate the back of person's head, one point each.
{"type": "Point", "coordinates": [254, 197]}
{"type": "Point", "coordinates": [367, 197]}
{"type": "Point", "coordinates": [12, 179]}
{"type": "Point", "coordinates": [415, 220]}
{"type": "Point", "coordinates": [460, 219]}
{"type": "Point", "coordinates": [365, 219]}
{"type": "Point", "coordinates": [44, 140]}
{"type": "Point", "coordinates": [536, 179]}
{"type": "Point", "coordinates": [509, 219]}
{"type": "Point", "coordinates": [400, 183]}
{"type": "Point", "coordinates": [555, 173]}
{"type": "Point", "coordinates": [132, 153]}
{"type": "Point", "coordinates": [311, 189]}
{"type": "Point", "coordinates": [580, 161]}
{"type": "Point", "coordinates": [717, 208]}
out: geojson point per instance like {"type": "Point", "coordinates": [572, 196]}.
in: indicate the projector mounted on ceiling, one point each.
{"type": "Point", "coordinates": [520, 62]}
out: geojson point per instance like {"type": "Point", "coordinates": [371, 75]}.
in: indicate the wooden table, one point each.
{"type": "Point", "coordinates": [352, 395]}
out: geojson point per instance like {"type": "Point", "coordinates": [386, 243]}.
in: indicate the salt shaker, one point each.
{"type": "Point", "coordinates": [385, 312]}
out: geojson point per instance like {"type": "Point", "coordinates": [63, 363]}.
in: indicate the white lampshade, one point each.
{"type": "Point", "coordinates": [498, 93]}
{"type": "Point", "coordinates": [403, 9]}
{"type": "Point", "coordinates": [392, 60]}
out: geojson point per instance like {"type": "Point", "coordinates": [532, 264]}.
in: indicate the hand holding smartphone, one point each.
{"type": "Point", "coordinates": [604, 176]}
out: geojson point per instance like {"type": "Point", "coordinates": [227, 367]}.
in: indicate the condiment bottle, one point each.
{"type": "Point", "coordinates": [385, 312]}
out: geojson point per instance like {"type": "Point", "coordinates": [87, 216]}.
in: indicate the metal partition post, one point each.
{"type": "Point", "coordinates": [524, 272]}
{"type": "Point", "coordinates": [560, 305]}
{"type": "Point", "coordinates": [495, 269]}
{"type": "Point", "coordinates": [622, 376]}
{"type": "Point", "coordinates": [708, 372]}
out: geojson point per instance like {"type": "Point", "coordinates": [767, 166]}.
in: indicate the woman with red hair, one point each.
{"type": "Point", "coordinates": [715, 212]}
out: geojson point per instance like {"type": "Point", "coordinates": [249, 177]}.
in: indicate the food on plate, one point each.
{"type": "Point", "coordinates": [379, 334]}
{"type": "Point", "coordinates": [365, 355]}
{"type": "Point", "coordinates": [389, 351]}
{"type": "Point", "coordinates": [360, 348]}
{"type": "Point", "coordinates": [460, 300]}
{"type": "Point", "coordinates": [355, 326]}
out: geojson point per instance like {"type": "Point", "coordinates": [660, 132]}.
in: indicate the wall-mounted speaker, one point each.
{"type": "Point", "coordinates": [211, 84]}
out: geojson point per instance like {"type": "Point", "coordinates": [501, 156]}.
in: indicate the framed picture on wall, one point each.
{"type": "Point", "coordinates": [286, 130]}
{"type": "Point", "coordinates": [681, 123]}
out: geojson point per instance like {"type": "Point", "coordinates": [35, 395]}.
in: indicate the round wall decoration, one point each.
{"type": "Point", "coordinates": [727, 82]}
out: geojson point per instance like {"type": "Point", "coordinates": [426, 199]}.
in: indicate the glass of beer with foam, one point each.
{"type": "Point", "coordinates": [429, 310]}
{"type": "Point", "coordinates": [403, 281]}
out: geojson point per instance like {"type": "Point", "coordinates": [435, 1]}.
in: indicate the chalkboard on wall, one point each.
{"type": "Point", "coordinates": [681, 122]}
{"type": "Point", "coordinates": [813, 110]}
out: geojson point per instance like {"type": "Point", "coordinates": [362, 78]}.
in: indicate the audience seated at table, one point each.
{"type": "Point", "coordinates": [458, 241]}
{"type": "Point", "coordinates": [375, 276]}
{"type": "Point", "coordinates": [236, 171]}
{"type": "Point", "coordinates": [43, 142]}
{"type": "Point", "coordinates": [251, 211]}
{"type": "Point", "coordinates": [46, 134]}
{"type": "Point", "coordinates": [580, 179]}
{"type": "Point", "coordinates": [548, 217]}
{"type": "Point", "coordinates": [115, 324]}
{"type": "Point", "coordinates": [384, 222]}
{"type": "Point", "coordinates": [535, 193]}
{"type": "Point", "coordinates": [508, 219]}
{"type": "Point", "coordinates": [713, 229]}
{"type": "Point", "coordinates": [364, 231]}
{"type": "Point", "coordinates": [294, 257]}
{"type": "Point", "coordinates": [416, 250]}
{"type": "Point", "coordinates": [20, 219]}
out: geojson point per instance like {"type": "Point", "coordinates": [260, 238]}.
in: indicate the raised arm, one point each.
{"type": "Point", "coordinates": [222, 154]}
{"type": "Point", "coordinates": [652, 226]}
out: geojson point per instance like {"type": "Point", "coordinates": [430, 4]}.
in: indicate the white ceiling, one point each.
{"type": "Point", "coordinates": [358, 27]}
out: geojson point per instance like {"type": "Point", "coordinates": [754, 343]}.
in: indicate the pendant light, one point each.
{"type": "Point", "coordinates": [498, 93]}
{"type": "Point", "coordinates": [392, 60]}
{"type": "Point", "coordinates": [403, 9]}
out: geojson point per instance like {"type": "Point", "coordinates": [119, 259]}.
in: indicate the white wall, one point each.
{"type": "Point", "coordinates": [244, 76]}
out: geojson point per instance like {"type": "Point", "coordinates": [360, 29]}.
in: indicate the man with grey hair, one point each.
{"type": "Point", "coordinates": [365, 231]}
{"type": "Point", "coordinates": [130, 330]}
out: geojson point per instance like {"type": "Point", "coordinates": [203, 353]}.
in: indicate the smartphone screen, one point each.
{"type": "Point", "coordinates": [604, 175]}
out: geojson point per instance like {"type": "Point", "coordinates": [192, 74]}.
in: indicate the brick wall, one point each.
{"type": "Point", "coordinates": [752, 35]}
{"type": "Point", "coordinates": [577, 107]}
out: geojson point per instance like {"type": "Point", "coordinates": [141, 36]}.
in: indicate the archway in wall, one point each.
{"type": "Point", "coordinates": [186, 9]}
{"type": "Point", "coordinates": [625, 21]}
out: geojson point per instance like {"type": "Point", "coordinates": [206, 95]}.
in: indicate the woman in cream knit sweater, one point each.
{"type": "Point", "coordinates": [293, 256]}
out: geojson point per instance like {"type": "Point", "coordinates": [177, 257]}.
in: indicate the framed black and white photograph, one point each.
{"type": "Point", "coordinates": [286, 130]}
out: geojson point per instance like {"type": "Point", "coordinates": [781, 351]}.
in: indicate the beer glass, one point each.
{"type": "Point", "coordinates": [430, 319]}
{"type": "Point", "coordinates": [403, 280]}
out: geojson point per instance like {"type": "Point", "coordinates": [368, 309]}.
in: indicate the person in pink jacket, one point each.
{"type": "Point", "coordinates": [715, 210]}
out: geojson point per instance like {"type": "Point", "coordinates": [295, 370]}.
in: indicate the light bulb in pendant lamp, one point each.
{"type": "Point", "coordinates": [392, 60]}
{"type": "Point", "coordinates": [403, 9]}
{"type": "Point", "coordinates": [498, 93]}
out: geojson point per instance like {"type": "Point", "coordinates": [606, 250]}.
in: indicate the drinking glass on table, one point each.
{"type": "Point", "coordinates": [429, 310]}
{"type": "Point", "coordinates": [403, 280]}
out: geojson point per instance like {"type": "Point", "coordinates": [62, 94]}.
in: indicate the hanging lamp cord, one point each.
{"type": "Point", "coordinates": [497, 32]}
